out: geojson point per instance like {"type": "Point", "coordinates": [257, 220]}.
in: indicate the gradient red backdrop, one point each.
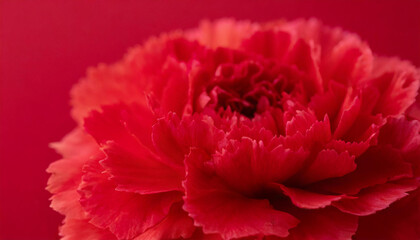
{"type": "Point", "coordinates": [46, 46]}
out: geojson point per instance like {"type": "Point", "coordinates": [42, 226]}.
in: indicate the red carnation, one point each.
{"type": "Point", "coordinates": [237, 130]}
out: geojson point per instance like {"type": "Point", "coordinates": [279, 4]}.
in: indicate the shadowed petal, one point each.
{"type": "Point", "coordinates": [373, 199]}
{"type": "Point", "coordinates": [307, 199]}
{"type": "Point", "coordinates": [399, 221]}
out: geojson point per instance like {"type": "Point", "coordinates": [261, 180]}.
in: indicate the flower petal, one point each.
{"type": "Point", "coordinates": [258, 165]}
{"type": "Point", "coordinates": [302, 56]}
{"type": "Point", "coordinates": [67, 203]}
{"type": "Point", "coordinates": [76, 229]}
{"type": "Point", "coordinates": [373, 199]}
{"type": "Point", "coordinates": [329, 102]}
{"type": "Point", "coordinates": [223, 33]}
{"type": "Point", "coordinates": [377, 165]}
{"type": "Point", "coordinates": [77, 148]}
{"type": "Point", "coordinates": [125, 81]}
{"type": "Point", "coordinates": [270, 44]}
{"type": "Point", "coordinates": [306, 199]}
{"type": "Point", "coordinates": [219, 210]}
{"type": "Point", "coordinates": [124, 131]}
{"type": "Point", "coordinates": [175, 93]}
{"type": "Point", "coordinates": [126, 124]}
{"type": "Point", "coordinates": [398, 82]}
{"type": "Point", "coordinates": [399, 221]}
{"type": "Point", "coordinates": [405, 136]}
{"type": "Point", "coordinates": [173, 137]}
{"type": "Point", "coordinates": [125, 214]}
{"type": "Point", "coordinates": [327, 164]}
{"type": "Point", "coordinates": [399, 133]}
{"type": "Point", "coordinates": [138, 170]}
{"type": "Point", "coordinates": [349, 61]}
{"type": "Point", "coordinates": [176, 225]}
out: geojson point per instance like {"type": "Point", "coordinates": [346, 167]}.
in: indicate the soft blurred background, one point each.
{"type": "Point", "coordinates": [46, 46]}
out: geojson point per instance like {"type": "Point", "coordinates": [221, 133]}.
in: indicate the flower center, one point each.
{"type": "Point", "coordinates": [250, 87]}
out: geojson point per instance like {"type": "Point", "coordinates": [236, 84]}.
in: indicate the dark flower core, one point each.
{"type": "Point", "coordinates": [251, 86]}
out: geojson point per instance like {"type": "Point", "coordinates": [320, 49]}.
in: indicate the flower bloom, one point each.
{"type": "Point", "coordinates": [238, 130]}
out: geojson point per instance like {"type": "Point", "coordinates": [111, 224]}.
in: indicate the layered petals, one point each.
{"type": "Point", "coordinates": [125, 214]}
{"type": "Point", "coordinates": [259, 165]}
{"type": "Point", "coordinates": [220, 210]}
{"type": "Point", "coordinates": [239, 130]}
{"type": "Point", "coordinates": [133, 165]}
{"type": "Point", "coordinates": [176, 225]}
{"type": "Point", "coordinates": [74, 229]}
{"type": "Point", "coordinates": [327, 164]}
{"type": "Point", "coordinates": [376, 166]}
{"type": "Point", "coordinates": [373, 199]}
{"type": "Point", "coordinates": [66, 174]}
{"type": "Point", "coordinates": [399, 221]}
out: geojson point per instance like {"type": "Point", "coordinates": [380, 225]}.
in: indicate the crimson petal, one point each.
{"type": "Point", "coordinates": [373, 199]}
{"type": "Point", "coordinates": [176, 225]}
{"type": "Point", "coordinates": [377, 165]}
{"type": "Point", "coordinates": [307, 199]}
{"type": "Point", "coordinates": [125, 214]}
{"type": "Point", "coordinates": [124, 132]}
{"type": "Point", "coordinates": [220, 210]}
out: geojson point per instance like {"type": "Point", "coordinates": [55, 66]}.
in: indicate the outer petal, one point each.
{"type": "Point", "coordinates": [76, 229]}
{"type": "Point", "coordinates": [125, 214]}
{"type": "Point", "coordinates": [126, 124]}
{"type": "Point", "coordinates": [404, 135]}
{"type": "Point", "coordinates": [176, 225]}
{"type": "Point", "coordinates": [67, 203]}
{"type": "Point", "coordinates": [399, 133]}
{"type": "Point", "coordinates": [125, 81]}
{"type": "Point", "coordinates": [269, 44]}
{"type": "Point", "coordinates": [138, 170]}
{"type": "Point", "coordinates": [377, 165]}
{"type": "Point", "coordinates": [413, 112]}
{"type": "Point", "coordinates": [77, 148]}
{"type": "Point", "coordinates": [219, 210]}
{"type": "Point", "coordinates": [223, 33]}
{"type": "Point", "coordinates": [134, 166]}
{"type": "Point", "coordinates": [341, 56]}
{"type": "Point", "coordinates": [399, 221]}
{"type": "Point", "coordinates": [349, 61]}
{"type": "Point", "coordinates": [373, 199]}
{"type": "Point", "coordinates": [398, 82]}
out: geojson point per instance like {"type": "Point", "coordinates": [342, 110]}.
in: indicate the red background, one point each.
{"type": "Point", "coordinates": [46, 46]}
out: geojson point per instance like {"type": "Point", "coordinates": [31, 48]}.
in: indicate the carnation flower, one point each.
{"type": "Point", "coordinates": [239, 130]}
